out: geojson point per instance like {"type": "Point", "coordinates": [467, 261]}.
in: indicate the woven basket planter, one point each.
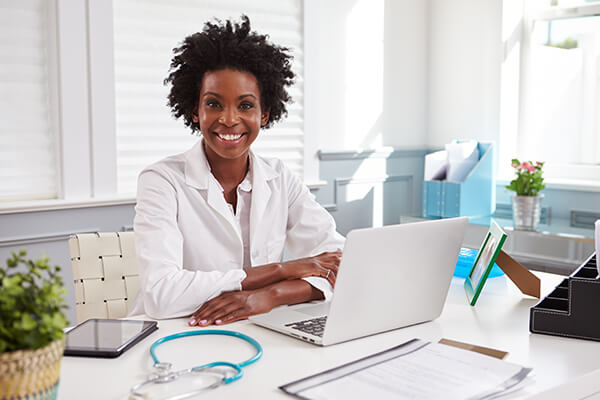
{"type": "Point", "coordinates": [31, 374]}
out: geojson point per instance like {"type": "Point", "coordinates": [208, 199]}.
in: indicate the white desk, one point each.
{"type": "Point", "coordinates": [500, 320]}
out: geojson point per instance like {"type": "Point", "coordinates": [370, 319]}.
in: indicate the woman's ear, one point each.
{"type": "Point", "coordinates": [195, 113]}
{"type": "Point", "coordinates": [264, 118]}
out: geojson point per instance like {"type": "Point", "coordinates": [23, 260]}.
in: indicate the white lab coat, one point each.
{"type": "Point", "coordinates": [187, 244]}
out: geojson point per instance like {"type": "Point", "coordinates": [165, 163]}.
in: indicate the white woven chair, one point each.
{"type": "Point", "coordinates": [105, 274]}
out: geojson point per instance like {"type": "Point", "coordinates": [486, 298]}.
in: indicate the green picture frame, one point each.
{"type": "Point", "coordinates": [484, 262]}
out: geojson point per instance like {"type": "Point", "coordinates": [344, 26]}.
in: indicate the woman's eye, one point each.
{"type": "Point", "coordinates": [213, 104]}
{"type": "Point", "coordinates": [246, 106]}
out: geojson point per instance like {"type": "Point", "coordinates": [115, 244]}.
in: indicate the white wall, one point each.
{"type": "Point", "coordinates": [406, 71]}
{"type": "Point", "coordinates": [371, 88]}
{"type": "Point", "coordinates": [324, 65]}
{"type": "Point", "coordinates": [440, 72]}
{"type": "Point", "coordinates": [464, 70]}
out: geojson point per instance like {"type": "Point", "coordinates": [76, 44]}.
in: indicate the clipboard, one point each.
{"type": "Point", "coordinates": [415, 369]}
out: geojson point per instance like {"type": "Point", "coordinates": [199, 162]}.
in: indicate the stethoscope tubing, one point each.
{"type": "Point", "coordinates": [237, 367]}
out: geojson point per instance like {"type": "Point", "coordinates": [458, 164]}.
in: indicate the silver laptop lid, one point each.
{"type": "Point", "coordinates": [393, 276]}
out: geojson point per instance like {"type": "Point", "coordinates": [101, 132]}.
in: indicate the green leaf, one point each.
{"type": "Point", "coordinates": [527, 183]}
{"type": "Point", "coordinates": [31, 303]}
{"type": "Point", "coordinates": [27, 323]}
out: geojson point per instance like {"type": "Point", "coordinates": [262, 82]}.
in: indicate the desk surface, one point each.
{"type": "Point", "coordinates": [500, 320]}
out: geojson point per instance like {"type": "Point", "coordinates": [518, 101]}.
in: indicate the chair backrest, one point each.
{"type": "Point", "coordinates": [105, 274]}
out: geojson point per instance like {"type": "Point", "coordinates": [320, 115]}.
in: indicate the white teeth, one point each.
{"type": "Point", "coordinates": [230, 137]}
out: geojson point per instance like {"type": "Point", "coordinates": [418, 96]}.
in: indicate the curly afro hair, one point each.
{"type": "Point", "coordinates": [229, 45]}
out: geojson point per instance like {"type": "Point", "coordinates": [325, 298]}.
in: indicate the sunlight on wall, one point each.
{"type": "Point", "coordinates": [364, 100]}
{"type": "Point", "coordinates": [369, 168]}
{"type": "Point", "coordinates": [364, 74]}
{"type": "Point", "coordinates": [512, 28]}
{"type": "Point", "coordinates": [367, 185]}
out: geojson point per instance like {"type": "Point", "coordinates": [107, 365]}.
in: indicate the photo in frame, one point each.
{"type": "Point", "coordinates": [484, 262]}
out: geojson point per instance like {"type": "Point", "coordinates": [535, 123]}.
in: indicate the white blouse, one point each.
{"type": "Point", "coordinates": [190, 244]}
{"type": "Point", "coordinates": [242, 214]}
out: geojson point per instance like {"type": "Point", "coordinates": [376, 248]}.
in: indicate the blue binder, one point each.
{"type": "Point", "coordinates": [475, 197]}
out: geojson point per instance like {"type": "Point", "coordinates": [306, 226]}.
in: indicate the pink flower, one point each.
{"type": "Point", "coordinates": [531, 168]}
{"type": "Point", "coordinates": [524, 165]}
{"type": "Point", "coordinates": [515, 165]}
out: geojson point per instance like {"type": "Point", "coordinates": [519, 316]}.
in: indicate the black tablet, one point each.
{"type": "Point", "coordinates": [106, 337]}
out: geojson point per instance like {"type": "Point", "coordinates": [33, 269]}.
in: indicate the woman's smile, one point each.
{"type": "Point", "coordinates": [230, 137]}
{"type": "Point", "coordinates": [229, 114]}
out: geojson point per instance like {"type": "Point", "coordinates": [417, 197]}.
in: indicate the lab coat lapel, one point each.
{"type": "Point", "coordinates": [198, 175]}
{"type": "Point", "coordinates": [217, 202]}
{"type": "Point", "coordinates": [262, 174]}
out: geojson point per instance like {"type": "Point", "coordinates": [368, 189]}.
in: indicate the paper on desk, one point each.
{"type": "Point", "coordinates": [417, 369]}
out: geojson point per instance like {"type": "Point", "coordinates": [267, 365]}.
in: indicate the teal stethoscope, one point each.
{"type": "Point", "coordinates": [164, 374]}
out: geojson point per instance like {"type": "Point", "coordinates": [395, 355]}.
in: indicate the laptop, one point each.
{"type": "Point", "coordinates": [389, 277]}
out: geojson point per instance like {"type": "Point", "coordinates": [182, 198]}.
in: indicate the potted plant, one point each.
{"type": "Point", "coordinates": [31, 328]}
{"type": "Point", "coordinates": [527, 198]}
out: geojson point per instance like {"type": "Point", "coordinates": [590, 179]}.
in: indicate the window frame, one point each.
{"type": "Point", "coordinates": [83, 107]}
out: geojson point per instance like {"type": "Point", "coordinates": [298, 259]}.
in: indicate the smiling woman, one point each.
{"type": "Point", "coordinates": [231, 114]}
{"type": "Point", "coordinates": [211, 223]}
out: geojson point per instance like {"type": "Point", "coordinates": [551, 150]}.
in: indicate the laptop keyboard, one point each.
{"type": "Point", "coordinates": [314, 326]}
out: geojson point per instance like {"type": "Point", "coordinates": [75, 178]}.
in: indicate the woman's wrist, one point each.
{"type": "Point", "coordinates": [264, 275]}
{"type": "Point", "coordinates": [282, 271]}
{"type": "Point", "coordinates": [293, 292]}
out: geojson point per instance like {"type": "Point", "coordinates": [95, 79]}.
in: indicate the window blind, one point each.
{"type": "Point", "coordinates": [145, 32]}
{"type": "Point", "coordinates": [28, 168]}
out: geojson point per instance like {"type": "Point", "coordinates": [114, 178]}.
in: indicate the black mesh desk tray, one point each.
{"type": "Point", "coordinates": [572, 309]}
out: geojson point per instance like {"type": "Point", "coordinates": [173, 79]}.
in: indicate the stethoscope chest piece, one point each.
{"type": "Point", "coordinates": [163, 373]}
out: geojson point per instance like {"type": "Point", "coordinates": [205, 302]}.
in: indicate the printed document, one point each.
{"type": "Point", "coordinates": [415, 370]}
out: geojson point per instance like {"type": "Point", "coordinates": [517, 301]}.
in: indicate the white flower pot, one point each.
{"type": "Point", "coordinates": [526, 212]}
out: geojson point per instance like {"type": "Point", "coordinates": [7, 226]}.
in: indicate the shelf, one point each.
{"type": "Point", "coordinates": [556, 248]}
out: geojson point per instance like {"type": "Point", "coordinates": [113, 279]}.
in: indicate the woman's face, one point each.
{"type": "Point", "coordinates": [229, 113]}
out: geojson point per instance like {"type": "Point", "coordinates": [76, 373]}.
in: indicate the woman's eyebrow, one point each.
{"type": "Point", "coordinates": [212, 94]}
{"type": "Point", "coordinates": [220, 97]}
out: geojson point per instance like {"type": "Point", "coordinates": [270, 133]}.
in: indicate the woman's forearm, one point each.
{"type": "Point", "coordinates": [324, 265]}
{"type": "Point", "coordinates": [294, 292]}
{"type": "Point", "coordinates": [233, 306]}
{"type": "Point", "coordinates": [264, 275]}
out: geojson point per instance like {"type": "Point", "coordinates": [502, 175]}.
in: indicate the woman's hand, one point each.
{"type": "Point", "coordinates": [233, 306]}
{"type": "Point", "coordinates": [325, 265]}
